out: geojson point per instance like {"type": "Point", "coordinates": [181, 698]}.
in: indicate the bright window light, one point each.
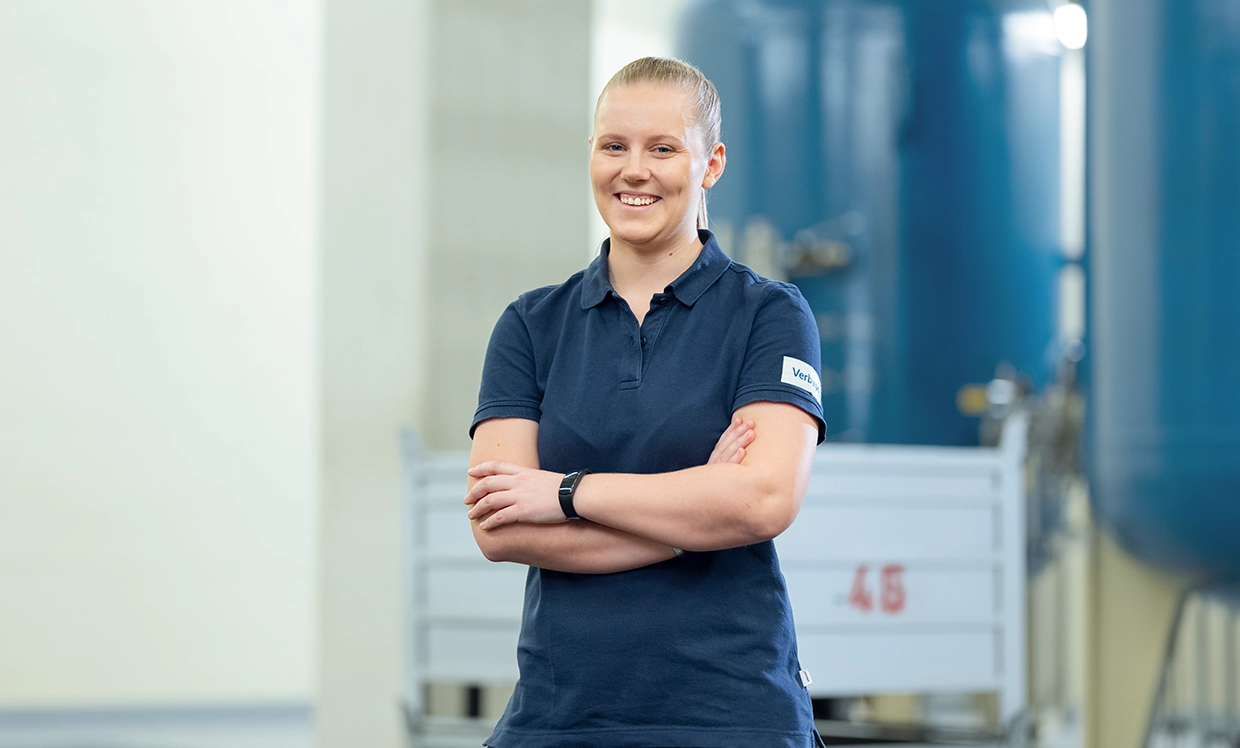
{"type": "Point", "coordinates": [1071, 25]}
{"type": "Point", "coordinates": [1030, 32]}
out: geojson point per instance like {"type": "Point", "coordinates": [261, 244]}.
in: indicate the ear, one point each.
{"type": "Point", "coordinates": [714, 167]}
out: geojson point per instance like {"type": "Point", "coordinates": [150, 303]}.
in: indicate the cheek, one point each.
{"type": "Point", "coordinates": [691, 188]}
{"type": "Point", "coordinates": [601, 177]}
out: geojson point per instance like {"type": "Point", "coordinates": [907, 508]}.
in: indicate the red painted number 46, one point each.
{"type": "Point", "coordinates": [891, 589]}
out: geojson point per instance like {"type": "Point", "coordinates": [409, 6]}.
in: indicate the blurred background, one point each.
{"type": "Point", "coordinates": [251, 253]}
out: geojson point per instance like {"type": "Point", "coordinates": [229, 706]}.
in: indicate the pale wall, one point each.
{"type": "Point", "coordinates": [199, 343]}
{"type": "Point", "coordinates": [508, 175]}
{"type": "Point", "coordinates": [455, 172]}
{"type": "Point", "coordinates": [158, 190]}
{"type": "Point", "coordinates": [374, 329]}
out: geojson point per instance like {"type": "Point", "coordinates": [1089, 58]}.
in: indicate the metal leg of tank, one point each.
{"type": "Point", "coordinates": [1131, 622]}
{"type": "Point", "coordinates": [1060, 606]}
{"type": "Point", "coordinates": [1196, 698]}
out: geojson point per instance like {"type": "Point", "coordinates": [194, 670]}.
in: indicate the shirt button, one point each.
{"type": "Point", "coordinates": [643, 340]}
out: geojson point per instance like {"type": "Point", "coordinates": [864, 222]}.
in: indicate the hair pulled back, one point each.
{"type": "Point", "coordinates": [707, 112]}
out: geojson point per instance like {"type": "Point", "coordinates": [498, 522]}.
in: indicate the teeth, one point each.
{"type": "Point", "coordinates": [627, 200]}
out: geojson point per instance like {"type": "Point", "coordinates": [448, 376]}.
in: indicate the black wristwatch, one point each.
{"type": "Point", "coordinates": [568, 488]}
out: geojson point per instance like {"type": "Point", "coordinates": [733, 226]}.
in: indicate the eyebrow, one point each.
{"type": "Point", "coordinates": [613, 136]}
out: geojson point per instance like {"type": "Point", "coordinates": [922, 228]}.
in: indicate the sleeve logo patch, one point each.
{"type": "Point", "coordinates": [800, 374]}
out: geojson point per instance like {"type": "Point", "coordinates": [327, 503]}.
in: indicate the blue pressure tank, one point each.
{"type": "Point", "coordinates": [1164, 79]}
{"type": "Point", "coordinates": [904, 157]}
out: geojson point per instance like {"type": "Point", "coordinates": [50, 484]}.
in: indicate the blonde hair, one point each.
{"type": "Point", "coordinates": [708, 115]}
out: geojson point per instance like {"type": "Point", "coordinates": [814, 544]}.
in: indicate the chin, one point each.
{"type": "Point", "coordinates": [636, 237]}
{"type": "Point", "coordinates": [626, 229]}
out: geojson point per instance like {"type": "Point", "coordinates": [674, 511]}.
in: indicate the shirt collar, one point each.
{"type": "Point", "coordinates": [688, 288]}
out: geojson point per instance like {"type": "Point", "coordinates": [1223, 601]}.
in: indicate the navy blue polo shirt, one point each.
{"type": "Point", "coordinates": [695, 651]}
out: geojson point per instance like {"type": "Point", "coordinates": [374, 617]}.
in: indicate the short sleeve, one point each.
{"type": "Point", "coordinates": [509, 377]}
{"type": "Point", "coordinates": [783, 356]}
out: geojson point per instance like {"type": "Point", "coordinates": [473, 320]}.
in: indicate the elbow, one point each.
{"type": "Point", "coordinates": [771, 514]}
{"type": "Point", "coordinates": [493, 552]}
{"type": "Point", "coordinates": [492, 546]}
{"type": "Point", "coordinates": [769, 526]}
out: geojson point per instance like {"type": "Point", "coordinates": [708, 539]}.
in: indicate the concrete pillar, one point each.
{"type": "Point", "coordinates": [508, 179]}
{"type": "Point", "coordinates": [374, 329]}
{"type": "Point", "coordinates": [455, 178]}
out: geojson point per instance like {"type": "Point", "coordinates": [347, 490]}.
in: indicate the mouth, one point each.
{"type": "Point", "coordinates": [637, 200]}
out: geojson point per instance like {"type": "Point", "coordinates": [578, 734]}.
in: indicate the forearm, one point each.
{"type": "Point", "coordinates": [579, 547]}
{"type": "Point", "coordinates": [718, 505]}
{"type": "Point", "coordinates": [702, 508]}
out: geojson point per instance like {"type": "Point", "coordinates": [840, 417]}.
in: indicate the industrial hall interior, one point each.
{"type": "Point", "coordinates": [267, 268]}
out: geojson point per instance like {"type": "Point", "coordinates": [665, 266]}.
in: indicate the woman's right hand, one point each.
{"type": "Point", "coordinates": [731, 445]}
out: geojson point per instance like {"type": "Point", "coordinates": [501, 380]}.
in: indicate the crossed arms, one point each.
{"type": "Point", "coordinates": [750, 491]}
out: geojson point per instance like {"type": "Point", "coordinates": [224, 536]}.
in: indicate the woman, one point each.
{"type": "Point", "coordinates": [643, 431]}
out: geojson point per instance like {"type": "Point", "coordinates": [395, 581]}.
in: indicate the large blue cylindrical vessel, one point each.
{"type": "Point", "coordinates": [1165, 310]}
{"type": "Point", "coordinates": [908, 149]}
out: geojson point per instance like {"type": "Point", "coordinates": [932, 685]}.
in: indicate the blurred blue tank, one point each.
{"type": "Point", "coordinates": [1165, 316]}
{"type": "Point", "coordinates": [899, 161]}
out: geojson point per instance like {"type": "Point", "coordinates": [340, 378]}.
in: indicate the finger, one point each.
{"type": "Point", "coordinates": [491, 503]}
{"type": "Point", "coordinates": [729, 454]}
{"type": "Point", "coordinates": [736, 450]}
{"type": "Point", "coordinates": [727, 442]}
{"type": "Point", "coordinates": [494, 467]}
{"type": "Point", "coordinates": [741, 429]}
{"type": "Point", "coordinates": [479, 490]}
{"type": "Point", "coordinates": [735, 429]}
{"type": "Point", "coordinates": [743, 437]}
{"type": "Point", "coordinates": [487, 485]}
{"type": "Point", "coordinates": [495, 520]}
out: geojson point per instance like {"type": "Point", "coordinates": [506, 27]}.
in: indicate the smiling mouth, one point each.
{"type": "Point", "coordinates": [638, 201]}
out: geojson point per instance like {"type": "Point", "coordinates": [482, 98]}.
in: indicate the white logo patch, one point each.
{"type": "Point", "coordinates": [800, 374]}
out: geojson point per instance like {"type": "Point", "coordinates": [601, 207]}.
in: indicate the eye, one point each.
{"type": "Point", "coordinates": [613, 148]}
{"type": "Point", "coordinates": [663, 150]}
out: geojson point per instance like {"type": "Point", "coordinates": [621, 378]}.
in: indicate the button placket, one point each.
{"type": "Point", "coordinates": [631, 362]}
{"type": "Point", "coordinates": [651, 326]}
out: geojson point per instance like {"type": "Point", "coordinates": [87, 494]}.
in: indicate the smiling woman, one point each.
{"type": "Point", "coordinates": [647, 120]}
{"type": "Point", "coordinates": [644, 430]}
{"type": "Point", "coordinates": [651, 162]}
{"type": "Point", "coordinates": [648, 166]}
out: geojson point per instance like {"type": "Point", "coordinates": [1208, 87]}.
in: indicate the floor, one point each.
{"type": "Point", "coordinates": [286, 726]}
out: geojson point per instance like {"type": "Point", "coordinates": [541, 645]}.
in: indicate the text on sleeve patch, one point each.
{"type": "Point", "coordinates": [800, 374]}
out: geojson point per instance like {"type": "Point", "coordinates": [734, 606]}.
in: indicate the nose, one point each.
{"type": "Point", "coordinates": [635, 167]}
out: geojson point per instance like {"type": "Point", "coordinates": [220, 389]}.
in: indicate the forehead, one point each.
{"type": "Point", "coordinates": [645, 108]}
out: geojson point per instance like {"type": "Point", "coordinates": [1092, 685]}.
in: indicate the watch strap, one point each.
{"type": "Point", "coordinates": [568, 490]}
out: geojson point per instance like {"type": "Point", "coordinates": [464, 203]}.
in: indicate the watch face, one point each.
{"type": "Point", "coordinates": [567, 486]}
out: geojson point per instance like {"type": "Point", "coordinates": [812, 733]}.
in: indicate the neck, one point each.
{"type": "Point", "coordinates": [650, 270]}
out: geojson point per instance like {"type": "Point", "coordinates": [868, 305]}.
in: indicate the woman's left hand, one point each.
{"type": "Point", "coordinates": [506, 493]}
